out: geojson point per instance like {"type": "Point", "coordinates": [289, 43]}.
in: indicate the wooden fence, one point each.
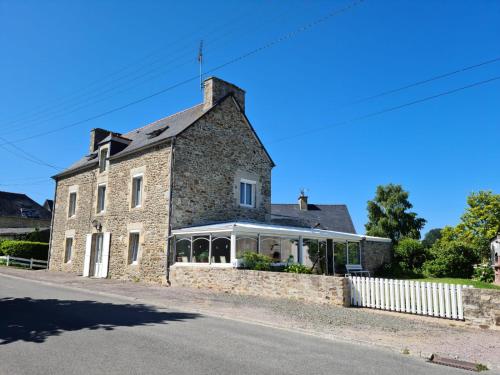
{"type": "Point", "coordinates": [433, 299]}
{"type": "Point", "coordinates": [28, 263]}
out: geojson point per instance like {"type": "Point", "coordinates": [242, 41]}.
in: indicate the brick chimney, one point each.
{"type": "Point", "coordinates": [302, 201]}
{"type": "Point", "coordinates": [214, 89]}
{"type": "Point", "coordinates": [96, 136]}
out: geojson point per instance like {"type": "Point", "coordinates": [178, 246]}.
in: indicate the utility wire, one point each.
{"type": "Point", "coordinates": [390, 109]}
{"type": "Point", "coordinates": [72, 98]}
{"type": "Point", "coordinates": [25, 155]}
{"type": "Point", "coordinates": [196, 77]}
{"type": "Point", "coordinates": [424, 81]}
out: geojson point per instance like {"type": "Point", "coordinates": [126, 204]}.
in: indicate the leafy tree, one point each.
{"type": "Point", "coordinates": [410, 254]}
{"type": "Point", "coordinates": [388, 214]}
{"type": "Point", "coordinates": [431, 237]}
{"type": "Point", "coordinates": [451, 259]}
{"type": "Point", "coordinates": [480, 222]}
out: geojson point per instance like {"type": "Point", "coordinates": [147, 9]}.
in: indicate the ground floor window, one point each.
{"type": "Point", "coordinates": [68, 249]}
{"type": "Point", "coordinates": [353, 253]}
{"type": "Point", "coordinates": [133, 249]}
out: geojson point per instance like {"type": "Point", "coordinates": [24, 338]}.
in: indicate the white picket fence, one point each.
{"type": "Point", "coordinates": [31, 263]}
{"type": "Point", "coordinates": [434, 299]}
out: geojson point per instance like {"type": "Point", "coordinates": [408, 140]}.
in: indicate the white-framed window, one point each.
{"type": "Point", "coordinates": [68, 249]}
{"type": "Point", "coordinates": [137, 187]}
{"type": "Point", "coordinates": [72, 204]}
{"type": "Point", "coordinates": [133, 247]}
{"type": "Point", "coordinates": [103, 159]}
{"type": "Point", "coordinates": [247, 193]}
{"type": "Point", "coordinates": [101, 198]}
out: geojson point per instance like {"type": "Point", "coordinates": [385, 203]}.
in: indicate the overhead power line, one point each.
{"type": "Point", "coordinates": [74, 104]}
{"type": "Point", "coordinates": [387, 110]}
{"type": "Point", "coordinates": [424, 81]}
{"type": "Point", "coordinates": [196, 77]}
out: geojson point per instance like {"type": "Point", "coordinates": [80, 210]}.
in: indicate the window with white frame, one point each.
{"type": "Point", "coordinates": [68, 249]}
{"type": "Point", "coordinates": [133, 247]}
{"type": "Point", "coordinates": [103, 156]}
{"type": "Point", "coordinates": [137, 191]}
{"type": "Point", "coordinates": [247, 193]}
{"type": "Point", "coordinates": [72, 204]}
{"type": "Point", "coordinates": [101, 198]}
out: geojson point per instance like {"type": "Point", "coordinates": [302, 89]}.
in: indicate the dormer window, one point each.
{"type": "Point", "coordinates": [103, 159]}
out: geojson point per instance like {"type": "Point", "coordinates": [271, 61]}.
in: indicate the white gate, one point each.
{"type": "Point", "coordinates": [434, 299]}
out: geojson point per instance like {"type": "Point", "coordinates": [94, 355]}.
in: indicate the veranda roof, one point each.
{"type": "Point", "coordinates": [273, 230]}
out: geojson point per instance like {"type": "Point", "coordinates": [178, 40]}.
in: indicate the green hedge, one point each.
{"type": "Point", "coordinates": [25, 249]}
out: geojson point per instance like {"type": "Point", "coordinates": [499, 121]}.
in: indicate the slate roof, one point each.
{"type": "Point", "coordinates": [334, 217]}
{"type": "Point", "coordinates": [20, 205]}
{"type": "Point", "coordinates": [163, 129]}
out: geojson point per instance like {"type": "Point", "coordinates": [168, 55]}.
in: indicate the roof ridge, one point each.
{"type": "Point", "coordinates": [163, 119]}
{"type": "Point", "coordinates": [315, 204]}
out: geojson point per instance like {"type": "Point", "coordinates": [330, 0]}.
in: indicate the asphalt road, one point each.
{"type": "Point", "coordinates": [55, 330]}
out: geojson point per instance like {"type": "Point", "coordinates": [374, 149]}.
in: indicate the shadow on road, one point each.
{"type": "Point", "coordinates": [34, 320]}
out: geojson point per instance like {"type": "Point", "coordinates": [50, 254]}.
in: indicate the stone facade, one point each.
{"type": "Point", "coordinates": [211, 157]}
{"type": "Point", "coordinates": [151, 219]}
{"type": "Point", "coordinates": [308, 288]}
{"type": "Point", "coordinates": [375, 254]}
{"type": "Point", "coordinates": [482, 307]}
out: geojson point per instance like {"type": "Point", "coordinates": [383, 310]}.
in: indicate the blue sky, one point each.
{"type": "Point", "coordinates": [65, 61]}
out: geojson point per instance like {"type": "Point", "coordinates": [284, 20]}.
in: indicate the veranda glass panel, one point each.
{"type": "Point", "coordinates": [244, 244]}
{"type": "Point", "coordinates": [183, 250]}
{"type": "Point", "coordinates": [354, 253]}
{"type": "Point", "coordinates": [271, 246]}
{"type": "Point", "coordinates": [290, 250]}
{"type": "Point", "coordinates": [221, 250]}
{"type": "Point", "coordinates": [340, 250]}
{"type": "Point", "coordinates": [200, 249]}
{"type": "Point", "coordinates": [310, 248]}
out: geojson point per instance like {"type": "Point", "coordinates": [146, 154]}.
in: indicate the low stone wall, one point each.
{"type": "Point", "coordinates": [309, 288]}
{"type": "Point", "coordinates": [482, 307]}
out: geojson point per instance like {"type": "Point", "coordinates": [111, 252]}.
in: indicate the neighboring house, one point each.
{"type": "Point", "coordinates": [195, 185]}
{"type": "Point", "coordinates": [48, 205]}
{"type": "Point", "coordinates": [321, 216]}
{"type": "Point", "coordinates": [19, 215]}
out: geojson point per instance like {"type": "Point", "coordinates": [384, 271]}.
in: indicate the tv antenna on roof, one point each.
{"type": "Point", "coordinates": [200, 61]}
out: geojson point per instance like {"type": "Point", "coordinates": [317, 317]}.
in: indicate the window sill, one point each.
{"type": "Point", "coordinates": [246, 206]}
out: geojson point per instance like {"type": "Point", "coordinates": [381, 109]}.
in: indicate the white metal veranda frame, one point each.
{"type": "Point", "coordinates": [233, 230]}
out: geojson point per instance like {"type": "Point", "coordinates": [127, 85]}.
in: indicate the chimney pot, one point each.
{"type": "Point", "coordinates": [302, 202]}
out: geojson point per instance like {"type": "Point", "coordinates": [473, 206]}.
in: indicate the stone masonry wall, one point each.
{"type": "Point", "coordinates": [119, 218]}
{"type": "Point", "coordinates": [375, 254]}
{"type": "Point", "coordinates": [23, 222]}
{"type": "Point", "coordinates": [210, 158]}
{"type": "Point", "coordinates": [309, 288]}
{"type": "Point", "coordinates": [482, 307]}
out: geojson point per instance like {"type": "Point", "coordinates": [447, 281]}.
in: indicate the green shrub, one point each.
{"type": "Point", "coordinates": [297, 268]}
{"type": "Point", "coordinates": [484, 273]}
{"type": "Point", "coordinates": [451, 259]}
{"type": "Point", "coordinates": [410, 254]}
{"type": "Point", "coordinates": [258, 262]}
{"type": "Point", "coordinates": [25, 249]}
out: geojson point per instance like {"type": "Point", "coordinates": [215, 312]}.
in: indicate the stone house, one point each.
{"type": "Point", "coordinates": [157, 195]}
{"type": "Point", "coordinates": [19, 215]}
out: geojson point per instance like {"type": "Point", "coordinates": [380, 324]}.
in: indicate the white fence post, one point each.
{"type": "Point", "coordinates": [453, 301]}
{"type": "Point", "coordinates": [31, 263]}
{"type": "Point", "coordinates": [447, 303]}
{"type": "Point", "coordinates": [391, 294]}
{"type": "Point", "coordinates": [396, 295]}
{"type": "Point", "coordinates": [8, 260]}
{"type": "Point", "coordinates": [441, 300]}
{"type": "Point", "coordinates": [460, 304]}
{"type": "Point", "coordinates": [417, 296]}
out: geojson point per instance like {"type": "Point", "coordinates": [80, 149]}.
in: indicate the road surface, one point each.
{"type": "Point", "coordinates": [55, 330]}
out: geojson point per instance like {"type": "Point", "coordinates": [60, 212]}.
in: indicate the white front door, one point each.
{"type": "Point", "coordinates": [98, 250]}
